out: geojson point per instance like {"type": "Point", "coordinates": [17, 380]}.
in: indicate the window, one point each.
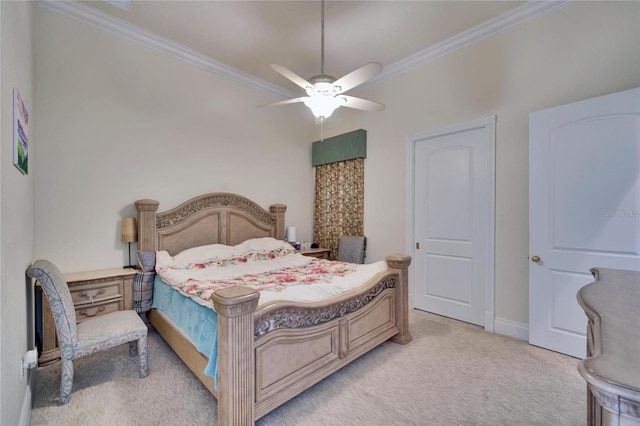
{"type": "Point", "coordinates": [339, 189]}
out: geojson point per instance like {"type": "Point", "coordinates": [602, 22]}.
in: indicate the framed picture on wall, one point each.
{"type": "Point", "coordinates": [20, 134]}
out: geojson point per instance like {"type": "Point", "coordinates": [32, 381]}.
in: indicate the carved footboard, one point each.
{"type": "Point", "coordinates": [268, 356]}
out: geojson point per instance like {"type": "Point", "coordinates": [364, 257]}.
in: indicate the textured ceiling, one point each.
{"type": "Point", "coordinates": [250, 35]}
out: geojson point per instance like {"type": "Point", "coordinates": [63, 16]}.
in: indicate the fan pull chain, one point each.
{"type": "Point", "coordinates": [321, 129]}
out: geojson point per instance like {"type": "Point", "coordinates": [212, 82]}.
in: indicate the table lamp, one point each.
{"type": "Point", "coordinates": [129, 234]}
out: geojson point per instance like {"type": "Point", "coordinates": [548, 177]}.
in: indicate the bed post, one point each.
{"type": "Point", "coordinates": [400, 263]}
{"type": "Point", "coordinates": [147, 224]}
{"type": "Point", "coordinates": [278, 210]}
{"type": "Point", "coordinates": [236, 366]}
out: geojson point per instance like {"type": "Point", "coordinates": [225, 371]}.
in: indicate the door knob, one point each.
{"type": "Point", "coordinates": [535, 259]}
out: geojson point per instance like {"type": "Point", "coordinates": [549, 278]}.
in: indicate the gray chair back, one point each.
{"type": "Point", "coordinates": [57, 292]}
{"type": "Point", "coordinates": [352, 248]}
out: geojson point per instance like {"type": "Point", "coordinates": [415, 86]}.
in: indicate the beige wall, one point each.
{"type": "Point", "coordinates": [16, 212]}
{"type": "Point", "coordinates": [120, 122]}
{"type": "Point", "coordinates": [579, 51]}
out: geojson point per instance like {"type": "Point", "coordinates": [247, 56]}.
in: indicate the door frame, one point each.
{"type": "Point", "coordinates": [489, 125]}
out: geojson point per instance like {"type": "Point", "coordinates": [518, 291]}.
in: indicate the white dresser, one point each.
{"type": "Point", "coordinates": [612, 366]}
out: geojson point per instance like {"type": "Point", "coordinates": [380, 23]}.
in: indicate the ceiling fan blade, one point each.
{"type": "Point", "coordinates": [359, 103]}
{"type": "Point", "coordinates": [291, 76]}
{"type": "Point", "coordinates": [357, 77]}
{"type": "Point", "coordinates": [285, 102]}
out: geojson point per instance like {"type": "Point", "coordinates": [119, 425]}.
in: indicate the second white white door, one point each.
{"type": "Point", "coordinates": [584, 209]}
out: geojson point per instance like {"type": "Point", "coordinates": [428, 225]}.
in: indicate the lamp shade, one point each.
{"type": "Point", "coordinates": [129, 230]}
{"type": "Point", "coordinates": [291, 234]}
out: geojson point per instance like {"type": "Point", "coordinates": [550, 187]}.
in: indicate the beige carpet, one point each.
{"type": "Point", "coordinates": [452, 373]}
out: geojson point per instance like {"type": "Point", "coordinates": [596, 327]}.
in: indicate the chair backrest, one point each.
{"type": "Point", "coordinates": [352, 249]}
{"type": "Point", "coordinates": [59, 297]}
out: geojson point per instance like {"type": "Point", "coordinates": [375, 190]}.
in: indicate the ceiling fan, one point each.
{"type": "Point", "coordinates": [324, 93]}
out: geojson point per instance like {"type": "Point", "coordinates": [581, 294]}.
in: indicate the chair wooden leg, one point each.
{"type": "Point", "coordinates": [66, 381]}
{"type": "Point", "coordinates": [133, 348]}
{"type": "Point", "coordinates": [142, 353]}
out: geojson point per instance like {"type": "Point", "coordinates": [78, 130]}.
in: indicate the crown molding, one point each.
{"type": "Point", "coordinates": [498, 24]}
{"type": "Point", "coordinates": [106, 22]}
{"type": "Point", "coordinates": [96, 18]}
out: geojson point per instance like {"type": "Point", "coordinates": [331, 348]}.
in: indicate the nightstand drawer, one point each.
{"type": "Point", "coordinates": [320, 253]}
{"type": "Point", "coordinates": [96, 292]}
{"type": "Point", "coordinates": [89, 311]}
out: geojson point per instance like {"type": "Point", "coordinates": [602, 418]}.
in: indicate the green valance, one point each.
{"type": "Point", "coordinates": [339, 148]}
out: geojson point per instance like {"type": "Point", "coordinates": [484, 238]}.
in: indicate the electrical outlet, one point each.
{"type": "Point", "coordinates": [29, 361]}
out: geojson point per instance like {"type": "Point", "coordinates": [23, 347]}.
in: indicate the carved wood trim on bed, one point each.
{"type": "Point", "coordinates": [299, 315]}
{"type": "Point", "coordinates": [215, 218]}
{"type": "Point", "coordinates": [269, 354]}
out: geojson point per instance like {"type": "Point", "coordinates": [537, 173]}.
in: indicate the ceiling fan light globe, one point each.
{"type": "Point", "coordinates": [322, 105]}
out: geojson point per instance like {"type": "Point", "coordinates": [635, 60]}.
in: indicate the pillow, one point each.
{"type": "Point", "coordinates": [147, 261]}
{"type": "Point", "coordinates": [214, 252]}
{"type": "Point", "coordinates": [264, 244]}
{"type": "Point", "coordinates": [201, 253]}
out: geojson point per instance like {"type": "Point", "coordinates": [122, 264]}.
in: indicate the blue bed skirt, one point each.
{"type": "Point", "coordinates": [196, 321]}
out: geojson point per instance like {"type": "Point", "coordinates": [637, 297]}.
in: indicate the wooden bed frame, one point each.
{"type": "Point", "coordinates": [270, 354]}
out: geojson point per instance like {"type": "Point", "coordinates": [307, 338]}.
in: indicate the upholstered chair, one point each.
{"type": "Point", "coordinates": [93, 335]}
{"type": "Point", "coordinates": [352, 249]}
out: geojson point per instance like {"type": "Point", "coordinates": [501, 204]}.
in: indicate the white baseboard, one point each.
{"type": "Point", "coordinates": [489, 324]}
{"type": "Point", "coordinates": [25, 414]}
{"type": "Point", "coordinates": [512, 329]}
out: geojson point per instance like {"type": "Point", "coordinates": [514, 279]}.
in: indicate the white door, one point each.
{"type": "Point", "coordinates": [584, 209]}
{"type": "Point", "coordinates": [453, 221]}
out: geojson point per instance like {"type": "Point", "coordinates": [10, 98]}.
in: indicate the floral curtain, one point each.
{"type": "Point", "coordinates": [339, 202]}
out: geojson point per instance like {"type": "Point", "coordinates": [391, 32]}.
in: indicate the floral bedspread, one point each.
{"type": "Point", "coordinates": [319, 270]}
{"type": "Point", "coordinates": [270, 266]}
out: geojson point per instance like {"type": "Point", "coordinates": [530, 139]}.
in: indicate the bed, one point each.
{"type": "Point", "coordinates": [315, 338]}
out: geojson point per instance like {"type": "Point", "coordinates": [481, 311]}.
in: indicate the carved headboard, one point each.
{"type": "Point", "coordinates": [222, 218]}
